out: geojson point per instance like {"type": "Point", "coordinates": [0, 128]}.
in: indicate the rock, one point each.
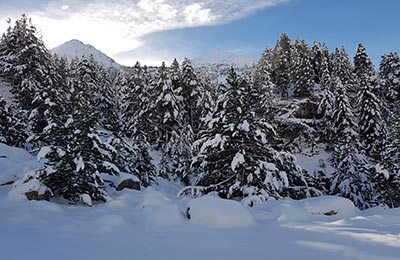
{"type": "Point", "coordinates": [7, 183]}
{"type": "Point", "coordinates": [330, 213]}
{"type": "Point", "coordinates": [34, 195]}
{"type": "Point", "coordinates": [129, 184]}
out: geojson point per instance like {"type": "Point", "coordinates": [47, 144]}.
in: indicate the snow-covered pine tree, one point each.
{"type": "Point", "coordinates": [77, 157]}
{"type": "Point", "coordinates": [351, 178]}
{"type": "Point", "coordinates": [363, 66]}
{"type": "Point", "coordinates": [167, 117]}
{"type": "Point", "coordinates": [29, 67]}
{"type": "Point", "coordinates": [326, 108]}
{"type": "Point", "coordinates": [121, 89]}
{"type": "Point", "coordinates": [131, 101]}
{"type": "Point", "coordinates": [325, 76]}
{"type": "Point", "coordinates": [106, 99]}
{"type": "Point", "coordinates": [12, 132]}
{"type": "Point", "coordinates": [343, 68]}
{"type": "Point", "coordinates": [282, 64]}
{"type": "Point", "coordinates": [143, 165]}
{"type": "Point", "coordinates": [263, 83]}
{"type": "Point", "coordinates": [303, 72]}
{"type": "Point", "coordinates": [235, 159]}
{"type": "Point", "coordinates": [319, 56]}
{"type": "Point", "coordinates": [372, 127]}
{"type": "Point", "coordinates": [194, 95]}
{"type": "Point", "coordinates": [389, 74]}
{"type": "Point", "coordinates": [389, 78]}
{"type": "Point", "coordinates": [386, 177]}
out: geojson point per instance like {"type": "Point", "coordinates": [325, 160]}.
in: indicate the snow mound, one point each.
{"type": "Point", "coordinates": [154, 199]}
{"type": "Point", "coordinates": [168, 215]}
{"type": "Point", "coordinates": [329, 205]}
{"type": "Point", "coordinates": [302, 210]}
{"type": "Point", "coordinates": [160, 210]}
{"type": "Point", "coordinates": [23, 186]}
{"type": "Point", "coordinates": [218, 213]}
{"type": "Point", "coordinates": [15, 163]}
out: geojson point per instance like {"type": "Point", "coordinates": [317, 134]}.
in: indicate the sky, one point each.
{"type": "Point", "coordinates": [159, 30]}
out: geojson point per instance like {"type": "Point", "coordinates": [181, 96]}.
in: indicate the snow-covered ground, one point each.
{"type": "Point", "coordinates": [155, 224]}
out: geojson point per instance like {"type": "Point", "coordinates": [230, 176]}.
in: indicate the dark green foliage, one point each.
{"type": "Point", "coordinates": [12, 131]}
{"type": "Point", "coordinates": [282, 64]}
{"type": "Point", "coordinates": [235, 159]}
{"type": "Point", "coordinates": [78, 155]}
{"type": "Point", "coordinates": [352, 176]}
{"type": "Point", "coordinates": [303, 72]}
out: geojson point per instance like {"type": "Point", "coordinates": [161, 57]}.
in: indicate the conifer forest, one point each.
{"type": "Point", "coordinates": [238, 139]}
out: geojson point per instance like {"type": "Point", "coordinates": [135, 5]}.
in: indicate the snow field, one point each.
{"type": "Point", "coordinates": [154, 224]}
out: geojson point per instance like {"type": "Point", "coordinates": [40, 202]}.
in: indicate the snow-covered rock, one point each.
{"type": "Point", "coordinates": [76, 49]}
{"type": "Point", "coordinates": [15, 163]}
{"type": "Point", "coordinates": [218, 213]}
{"type": "Point", "coordinates": [303, 210]}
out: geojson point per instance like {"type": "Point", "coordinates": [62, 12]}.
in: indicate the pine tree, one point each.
{"type": "Point", "coordinates": [326, 108]}
{"type": "Point", "coordinates": [386, 178]}
{"type": "Point", "coordinates": [27, 64]}
{"type": "Point", "coordinates": [107, 100]}
{"type": "Point", "coordinates": [352, 176]}
{"type": "Point", "coordinates": [78, 156]}
{"type": "Point", "coordinates": [195, 96]}
{"type": "Point", "coordinates": [263, 83]}
{"type": "Point", "coordinates": [282, 64]}
{"type": "Point", "coordinates": [389, 74]}
{"type": "Point", "coordinates": [363, 66]}
{"type": "Point", "coordinates": [371, 124]}
{"type": "Point", "coordinates": [343, 68]}
{"type": "Point", "coordinates": [131, 101]}
{"type": "Point", "coordinates": [319, 61]}
{"type": "Point", "coordinates": [303, 73]}
{"type": "Point", "coordinates": [11, 130]}
{"type": "Point", "coordinates": [235, 159]}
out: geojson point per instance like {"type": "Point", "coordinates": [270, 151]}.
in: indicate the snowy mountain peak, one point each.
{"type": "Point", "coordinates": [222, 57]}
{"type": "Point", "coordinates": [76, 49]}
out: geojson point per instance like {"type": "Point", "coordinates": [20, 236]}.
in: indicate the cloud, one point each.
{"type": "Point", "coordinates": [114, 26]}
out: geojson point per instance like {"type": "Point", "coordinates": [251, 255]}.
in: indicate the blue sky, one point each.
{"type": "Point", "coordinates": [155, 30]}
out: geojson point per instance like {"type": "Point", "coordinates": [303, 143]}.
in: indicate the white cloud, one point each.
{"type": "Point", "coordinates": [114, 26]}
{"type": "Point", "coordinates": [196, 14]}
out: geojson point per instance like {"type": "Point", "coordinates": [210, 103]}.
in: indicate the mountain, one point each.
{"type": "Point", "coordinates": [75, 48]}
{"type": "Point", "coordinates": [218, 63]}
{"type": "Point", "coordinates": [219, 57]}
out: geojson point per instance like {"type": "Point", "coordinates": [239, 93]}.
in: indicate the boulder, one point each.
{"type": "Point", "coordinates": [34, 195]}
{"type": "Point", "coordinates": [128, 184]}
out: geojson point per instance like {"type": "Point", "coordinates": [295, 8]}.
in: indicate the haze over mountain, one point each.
{"type": "Point", "coordinates": [219, 56]}
{"type": "Point", "coordinates": [213, 60]}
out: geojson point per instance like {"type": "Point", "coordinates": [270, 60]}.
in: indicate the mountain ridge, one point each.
{"type": "Point", "coordinates": [75, 49]}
